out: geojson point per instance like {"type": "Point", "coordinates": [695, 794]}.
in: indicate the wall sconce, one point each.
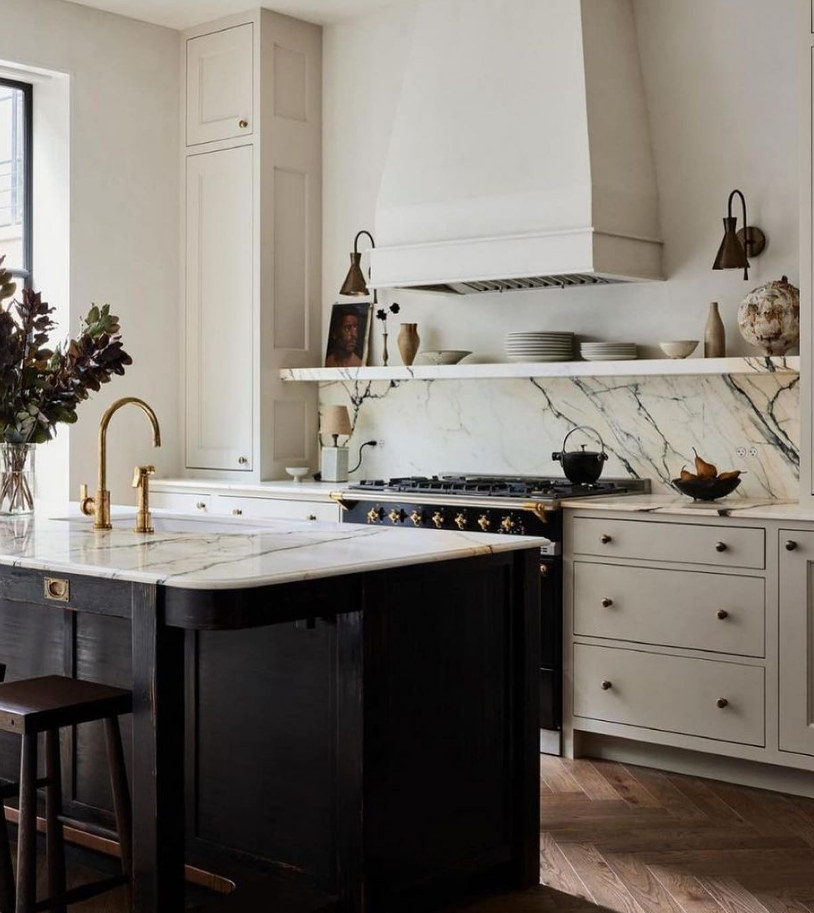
{"type": "Point", "coordinates": [738, 246]}
{"type": "Point", "coordinates": [355, 284]}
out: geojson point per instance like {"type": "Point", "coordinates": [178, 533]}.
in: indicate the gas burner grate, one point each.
{"type": "Point", "coordinates": [486, 486]}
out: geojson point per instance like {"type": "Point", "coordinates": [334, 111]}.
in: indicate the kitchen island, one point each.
{"type": "Point", "coordinates": [348, 710]}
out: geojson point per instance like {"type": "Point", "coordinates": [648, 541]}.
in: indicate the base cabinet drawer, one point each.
{"type": "Point", "coordinates": [698, 611]}
{"type": "Point", "coordinates": [277, 508]}
{"type": "Point", "coordinates": [684, 543]}
{"type": "Point", "coordinates": [184, 502]}
{"type": "Point", "coordinates": [695, 697]}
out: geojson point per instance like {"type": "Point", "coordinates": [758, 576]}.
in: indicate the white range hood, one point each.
{"type": "Point", "coordinates": [520, 155]}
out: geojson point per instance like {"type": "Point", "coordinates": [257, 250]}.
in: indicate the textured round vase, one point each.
{"type": "Point", "coordinates": [408, 341]}
{"type": "Point", "coordinates": [769, 317]}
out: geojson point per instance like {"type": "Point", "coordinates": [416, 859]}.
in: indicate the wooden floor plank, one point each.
{"type": "Point", "coordinates": [686, 891]}
{"type": "Point", "coordinates": [628, 787]}
{"type": "Point", "coordinates": [556, 871]}
{"type": "Point", "coordinates": [599, 878]}
{"type": "Point", "coordinates": [677, 803]}
{"type": "Point", "coordinates": [747, 803]}
{"type": "Point", "coordinates": [732, 896]}
{"type": "Point", "coordinates": [643, 885]}
{"type": "Point", "coordinates": [701, 795]}
{"type": "Point", "coordinates": [596, 787]}
{"type": "Point", "coordinates": [557, 777]}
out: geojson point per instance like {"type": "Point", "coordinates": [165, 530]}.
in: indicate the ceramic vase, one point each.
{"type": "Point", "coordinates": [409, 342]}
{"type": "Point", "coordinates": [714, 334]}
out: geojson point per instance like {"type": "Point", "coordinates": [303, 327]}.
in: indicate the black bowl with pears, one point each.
{"type": "Point", "coordinates": [706, 483]}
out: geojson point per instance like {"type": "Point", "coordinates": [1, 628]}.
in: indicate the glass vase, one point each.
{"type": "Point", "coordinates": [16, 479]}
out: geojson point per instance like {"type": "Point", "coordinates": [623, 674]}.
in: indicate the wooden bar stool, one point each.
{"type": "Point", "coordinates": [45, 705]}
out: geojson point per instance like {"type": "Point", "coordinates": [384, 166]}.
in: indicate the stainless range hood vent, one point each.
{"type": "Point", "coordinates": [529, 283]}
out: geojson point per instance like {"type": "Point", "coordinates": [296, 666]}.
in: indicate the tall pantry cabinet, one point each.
{"type": "Point", "coordinates": [251, 244]}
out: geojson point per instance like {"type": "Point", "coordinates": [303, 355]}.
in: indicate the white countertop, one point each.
{"type": "Point", "coordinates": [285, 488]}
{"type": "Point", "coordinates": [744, 508]}
{"type": "Point", "coordinates": [208, 553]}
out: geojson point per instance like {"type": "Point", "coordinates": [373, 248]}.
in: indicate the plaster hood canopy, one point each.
{"type": "Point", "coordinates": [520, 155]}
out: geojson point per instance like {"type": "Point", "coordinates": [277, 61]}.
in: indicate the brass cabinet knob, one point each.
{"type": "Point", "coordinates": [722, 614]}
{"type": "Point", "coordinates": [243, 123]}
{"type": "Point", "coordinates": [507, 524]}
{"type": "Point", "coordinates": [201, 505]}
{"type": "Point", "coordinates": [607, 603]}
{"type": "Point", "coordinates": [395, 515]}
{"type": "Point", "coordinates": [243, 461]}
{"type": "Point", "coordinates": [484, 522]}
{"type": "Point", "coordinates": [57, 589]}
{"type": "Point", "coordinates": [544, 570]}
{"type": "Point", "coordinates": [460, 521]}
{"type": "Point", "coordinates": [311, 517]}
{"type": "Point", "coordinates": [237, 512]}
{"type": "Point", "coordinates": [438, 519]}
{"type": "Point", "coordinates": [417, 517]}
{"type": "Point", "coordinates": [606, 685]}
{"type": "Point", "coordinates": [791, 546]}
{"type": "Point", "coordinates": [374, 515]}
{"type": "Point", "coordinates": [722, 703]}
{"type": "Point", "coordinates": [721, 546]}
{"type": "Point", "coordinates": [605, 539]}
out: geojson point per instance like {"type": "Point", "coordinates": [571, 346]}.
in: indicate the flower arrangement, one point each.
{"type": "Point", "coordinates": [41, 387]}
{"type": "Point", "coordinates": [382, 315]}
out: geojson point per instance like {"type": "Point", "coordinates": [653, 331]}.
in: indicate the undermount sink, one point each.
{"type": "Point", "coordinates": [172, 523]}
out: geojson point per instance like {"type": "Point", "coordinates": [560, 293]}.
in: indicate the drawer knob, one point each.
{"type": "Point", "coordinates": [543, 569]}
{"type": "Point", "coordinates": [57, 589]}
{"type": "Point", "coordinates": [607, 603]}
{"type": "Point", "coordinates": [201, 505]}
{"type": "Point", "coordinates": [791, 546]}
{"type": "Point", "coordinates": [237, 512]}
{"type": "Point", "coordinates": [721, 546]}
{"type": "Point", "coordinates": [243, 123]}
{"type": "Point", "coordinates": [312, 516]}
{"type": "Point", "coordinates": [605, 539]}
{"type": "Point", "coordinates": [722, 703]}
{"type": "Point", "coordinates": [606, 685]}
{"type": "Point", "coordinates": [243, 461]}
{"type": "Point", "coordinates": [722, 614]}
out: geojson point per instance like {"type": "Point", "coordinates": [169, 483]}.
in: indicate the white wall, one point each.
{"type": "Point", "coordinates": [722, 86]}
{"type": "Point", "coordinates": [123, 83]}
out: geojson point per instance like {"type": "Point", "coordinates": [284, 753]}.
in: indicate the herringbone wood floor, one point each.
{"type": "Point", "coordinates": [634, 840]}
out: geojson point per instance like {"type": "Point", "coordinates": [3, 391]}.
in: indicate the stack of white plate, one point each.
{"type": "Point", "coordinates": [608, 351]}
{"type": "Point", "coordinates": [540, 346]}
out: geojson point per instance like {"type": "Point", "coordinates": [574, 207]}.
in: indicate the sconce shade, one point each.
{"type": "Point", "coordinates": [355, 284]}
{"type": "Point", "coordinates": [732, 254]}
{"type": "Point", "coordinates": [336, 421]}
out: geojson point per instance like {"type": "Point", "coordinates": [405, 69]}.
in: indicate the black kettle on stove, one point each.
{"type": "Point", "coordinates": [582, 467]}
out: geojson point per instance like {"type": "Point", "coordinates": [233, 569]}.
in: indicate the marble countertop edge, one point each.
{"type": "Point", "coordinates": [745, 508]}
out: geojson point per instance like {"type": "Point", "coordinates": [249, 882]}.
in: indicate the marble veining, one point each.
{"type": "Point", "coordinates": [649, 424]}
{"type": "Point", "coordinates": [224, 553]}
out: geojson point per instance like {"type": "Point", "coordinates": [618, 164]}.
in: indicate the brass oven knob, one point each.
{"type": "Point", "coordinates": [507, 524]}
{"type": "Point", "coordinates": [395, 515]}
{"type": "Point", "coordinates": [722, 614]}
{"type": "Point", "coordinates": [720, 546]}
{"type": "Point", "coordinates": [607, 603]}
{"type": "Point", "coordinates": [484, 522]}
{"type": "Point", "coordinates": [722, 703]}
{"type": "Point", "coordinates": [460, 521]}
{"type": "Point", "coordinates": [791, 546]}
{"type": "Point", "coordinates": [374, 515]}
{"type": "Point", "coordinates": [417, 517]}
{"type": "Point", "coordinates": [438, 519]}
{"type": "Point", "coordinates": [606, 685]}
{"type": "Point", "coordinates": [605, 539]}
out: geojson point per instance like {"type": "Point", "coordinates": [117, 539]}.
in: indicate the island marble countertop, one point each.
{"type": "Point", "coordinates": [744, 508]}
{"type": "Point", "coordinates": [208, 553]}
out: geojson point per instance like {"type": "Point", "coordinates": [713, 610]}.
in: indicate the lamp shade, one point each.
{"type": "Point", "coordinates": [335, 420]}
{"type": "Point", "coordinates": [732, 254]}
{"type": "Point", "coordinates": [355, 284]}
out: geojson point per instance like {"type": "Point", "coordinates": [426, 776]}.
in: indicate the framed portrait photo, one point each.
{"type": "Point", "coordinates": [348, 335]}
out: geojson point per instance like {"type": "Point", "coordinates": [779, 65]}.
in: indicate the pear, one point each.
{"type": "Point", "coordinates": [734, 474]}
{"type": "Point", "coordinates": [703, 469]}
{"type": "Point", "coordinates": [687, 476]}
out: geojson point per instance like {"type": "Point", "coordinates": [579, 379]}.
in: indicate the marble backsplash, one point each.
{"type": "Point", "coordinates": [649, 425]}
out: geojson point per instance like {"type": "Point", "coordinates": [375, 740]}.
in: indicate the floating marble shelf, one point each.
{"type": "Point", "coordinates": [638, 368]}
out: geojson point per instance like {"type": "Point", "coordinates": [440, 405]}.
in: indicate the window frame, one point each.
{"type": "Point", "coordinates": [26, 271]}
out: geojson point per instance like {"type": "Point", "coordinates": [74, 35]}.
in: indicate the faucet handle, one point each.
{"type": "Point", "coordinates": [141, 474]}
{"type": "Point", "coordinates": [141, 481]}
{"type": "Point", "coordinates": [86, 504]}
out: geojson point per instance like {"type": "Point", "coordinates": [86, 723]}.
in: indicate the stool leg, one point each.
{"type": "Point", "coordinates": [27, 834]}
{"type": "Point", "coordinates": [8, 896]}
{"type": "Point", "coordinates": [121, 792]}
{"type": "Point", "coordinates": [54, 834]}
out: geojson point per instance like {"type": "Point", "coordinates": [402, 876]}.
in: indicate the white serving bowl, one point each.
{"type": "Point", "coordinates": [680, 348]}
{"type": "Point", "coordinates": [298, 473]}
{"type": "Point", "coordinates": [442, 357]}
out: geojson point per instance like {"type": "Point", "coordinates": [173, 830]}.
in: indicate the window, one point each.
{"type": "Point", "coordinates": [15, 177]}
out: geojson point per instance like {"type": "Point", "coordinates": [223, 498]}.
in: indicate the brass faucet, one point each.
{"type": "Point", "coordinates": [141, 481]}
{"type": "Point", "coordinates": [99, 505]}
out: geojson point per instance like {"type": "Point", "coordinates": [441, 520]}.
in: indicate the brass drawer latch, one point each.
{"type": "Point", "coordinates": [57, 589]}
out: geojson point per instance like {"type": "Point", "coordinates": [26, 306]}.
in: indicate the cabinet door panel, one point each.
{"type": "Point", "coordinates": [797, 642]}
{"type": "Point", "coordinates": [219, 310]}
{"type": "Point", "coordinates": [219, 85]}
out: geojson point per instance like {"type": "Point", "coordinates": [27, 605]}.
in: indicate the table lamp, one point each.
{"type": "Point", "coordinates": [336, 422]}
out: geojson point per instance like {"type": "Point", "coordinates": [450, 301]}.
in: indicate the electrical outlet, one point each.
{"type": "Point", "coordinates": [741, 452]}
{"type": "Point", "coordinates": [752, 451]}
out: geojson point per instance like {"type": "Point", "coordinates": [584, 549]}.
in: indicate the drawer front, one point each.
{"type": "Point", "coordinates": [685, 543]}
{"type": "Point", "coordinates": [690, 609]}
{"type": "Point", "coordinates": [670, 693]}
{"type": "Point", "coordinates": [185, 502]}
{"type": "Point", "coordinates": [277, 508]}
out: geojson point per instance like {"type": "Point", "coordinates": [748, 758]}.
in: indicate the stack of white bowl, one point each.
{"type": "Point", "coordinates": [608, 351]}
{"type": "Point", "coordinates": [540, 346]}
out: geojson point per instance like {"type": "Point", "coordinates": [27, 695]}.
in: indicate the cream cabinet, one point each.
{"type": "Point", "coordinates": [183, 502]}
{"type": "Point", "coordinates": [796, 641]}
{"type": "Point", "coordinates": [277, 509]}
{"type": "Point", "coordinates": [220, 85]}
{"type": "Point", "coordinates": [219, 310]}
